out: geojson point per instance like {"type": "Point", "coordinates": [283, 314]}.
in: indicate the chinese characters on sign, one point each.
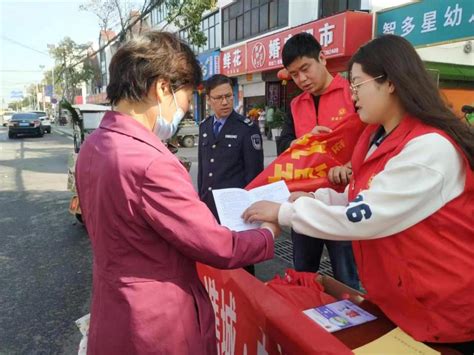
{"type": "Point", "coordinates": [252, 319]}
{"type": "Point", "coordinates": [233, 61]}
{"type": "Point", "coordinates": [226, 317]}
{"type": "Point", "coordinates": [339, 35]}
{"type": "Point", "coordinates": [265, 53]}
{"type": "Point", "coordinates": [429, 22]}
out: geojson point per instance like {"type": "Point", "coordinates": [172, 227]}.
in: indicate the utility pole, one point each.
{"type": "Point", "coordinates": [51, 47]}
{"type": "Point", "coordinates": [42, 89]}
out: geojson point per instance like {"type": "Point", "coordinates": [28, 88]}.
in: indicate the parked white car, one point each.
{"type": "Point", "coordinates": [6, 117]}
{"type": "Point", "coordinates": [45, 121]}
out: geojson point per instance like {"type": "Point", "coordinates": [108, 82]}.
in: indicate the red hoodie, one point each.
{"type": "Point", "coordinates": [334, 104]}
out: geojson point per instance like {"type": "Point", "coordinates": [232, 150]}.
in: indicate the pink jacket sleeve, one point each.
{"type": "Point", "coordinates": [171, 206]}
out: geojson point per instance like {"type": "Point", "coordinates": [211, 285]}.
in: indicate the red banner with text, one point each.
{"type": "Point", "coordinates": [305, 165]}
{"type": "Point", "coordinates": [254, 320]}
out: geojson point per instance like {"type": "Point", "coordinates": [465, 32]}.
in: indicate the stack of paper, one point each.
{"type": "Point", "coordinates": [395, 342]}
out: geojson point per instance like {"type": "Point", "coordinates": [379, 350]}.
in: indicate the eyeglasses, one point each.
{"type": "Point", "coordinates": [355, 87]}
{"type": "Point", "coordinates": [220, 98]}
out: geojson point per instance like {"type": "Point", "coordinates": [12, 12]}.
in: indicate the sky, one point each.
{"type": "Point", "coordinates": [35, 24]}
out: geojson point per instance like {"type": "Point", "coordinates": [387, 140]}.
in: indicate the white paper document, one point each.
{"type": "Point", "coordinates": [231, 203]}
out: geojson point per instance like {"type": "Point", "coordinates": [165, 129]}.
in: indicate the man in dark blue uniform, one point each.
{"type": "Point", "coordinates": [230, 145]}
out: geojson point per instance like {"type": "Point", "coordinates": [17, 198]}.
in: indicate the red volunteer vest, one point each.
{"type": "Point", "coordinates": [422, 278]}
{"type": "Point", "coordinates": [334, 104]}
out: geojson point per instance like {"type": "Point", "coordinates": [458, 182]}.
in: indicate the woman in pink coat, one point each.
{"type": "Point", "coordinates": [146, 222]}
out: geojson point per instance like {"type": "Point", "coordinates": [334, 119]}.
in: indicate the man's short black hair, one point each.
{"type": "Point", "coordinates": [216, 80]}
{"type": "Point", "coordinates": [300, 45]}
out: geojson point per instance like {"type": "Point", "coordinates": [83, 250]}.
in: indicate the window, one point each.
{"type": "Point", "coordinates": [247, 27]}
{"type": "Point", "coordinates": [282, 15]}
{"type": "Point", "coordinates": [103, 67]}
{"type": "Point", "coordinates": [263, 17]}
{"type": "Point", "coordinates": [331, 7]}
{"type": "Point", "coordinates": [273, 15]}
{"type": "Point", "coordinates": [240, 27]}
{"type": "Point", "coordinates": [210, 28]}
{"type": "Point", "coordinates": [232, 30]}
{"type": "Point", "coordinates": [159, 13]}
{"type": "Point", "coordinates": [247, 18]}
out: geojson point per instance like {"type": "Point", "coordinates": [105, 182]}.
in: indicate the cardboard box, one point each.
{"type": "Point", "coordinates": [363, 334]}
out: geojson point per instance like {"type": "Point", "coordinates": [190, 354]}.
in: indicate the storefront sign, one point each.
{"type": "Point", "coordinates": [265, 53]}
{"type": "Point", "coordinates": [429, 22]}
{"type": "Point", "coordinates": [233, 61]}
{"type": "Point", "coordinates": [209, 64]}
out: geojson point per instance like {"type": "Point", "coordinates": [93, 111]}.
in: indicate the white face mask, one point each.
{"type": "Point", "coordinates": [164, 129]}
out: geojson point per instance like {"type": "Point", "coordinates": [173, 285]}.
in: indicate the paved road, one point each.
{"type": "Point", "coordinates": [45, 262]}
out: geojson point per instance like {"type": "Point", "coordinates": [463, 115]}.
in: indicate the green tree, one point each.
{"type": "Point", "coordinates": [13, 105]}
{"type": "Point", "coordinates": [181, 13]}
{"type": "Point", "coordinates": [72, 69]}
{"type": "Point", "coordinates": [188, 14]}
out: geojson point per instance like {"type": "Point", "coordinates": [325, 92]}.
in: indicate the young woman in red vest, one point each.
{"type": "Point", "coordinates": [409, 207]}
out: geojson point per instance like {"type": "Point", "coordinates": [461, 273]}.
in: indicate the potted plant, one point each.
{"type": "Point", "coordinates": [277, 122]}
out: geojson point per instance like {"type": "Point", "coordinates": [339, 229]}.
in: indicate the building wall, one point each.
{"type": "Point", "coordinates": [457, 98]}
{"type": "Point", "coordinates": [452, 53]}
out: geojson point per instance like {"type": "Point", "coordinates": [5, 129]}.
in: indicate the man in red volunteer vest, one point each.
{"type": "Point", "coordinates": [326, 101]}
{"type": "Point", "coordinates": [409, 207]}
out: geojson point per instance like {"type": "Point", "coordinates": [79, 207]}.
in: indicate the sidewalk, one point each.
{"type": "Point", "coordinates": [64, 130]}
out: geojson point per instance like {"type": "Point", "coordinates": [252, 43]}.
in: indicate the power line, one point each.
{"type": "Point", "coordinates": [20, 71]}
{"type": "Point", "coordinates": [151, 6]}
{"type": "Point", "coordinates": [23, 45]}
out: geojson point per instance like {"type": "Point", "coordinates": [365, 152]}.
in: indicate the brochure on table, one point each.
{"type": "Point", "coordinates": [339, 315]}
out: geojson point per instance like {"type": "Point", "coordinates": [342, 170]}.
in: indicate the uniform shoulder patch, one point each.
{"type": "Point", "coordinates": [248, 121]}
{"type": "Point", "coordinates": [245, 120]}
{"type": "Point", "coordinates": [256, 141]}
{"type": "Point", "coordinates": [204, 120]}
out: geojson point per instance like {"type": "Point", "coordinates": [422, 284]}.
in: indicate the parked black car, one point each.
{"type": "Point", "coordinates": [25, 123]}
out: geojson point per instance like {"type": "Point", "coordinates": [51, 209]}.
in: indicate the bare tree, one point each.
{"type": "Point", "coordinates": [104, 10]}
{"type": "Point", "coordinates": [129, 15]}
{"type": "Point", "coordinates": [123, 13]}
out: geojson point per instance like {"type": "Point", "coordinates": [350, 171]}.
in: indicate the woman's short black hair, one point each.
{"type": "Point", "coordinates": [300, 45]}
{"type": "Point", "coordinates": [138, 63]}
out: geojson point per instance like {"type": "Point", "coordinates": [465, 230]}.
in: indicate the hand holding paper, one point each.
{"type": "Point", "coordinates": [232, 203]}
{"type": "Point", "coordinates": [262, 211]}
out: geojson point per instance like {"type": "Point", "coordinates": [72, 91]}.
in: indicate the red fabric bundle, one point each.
{"type": "Point", "coordinates": [300, 289]}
